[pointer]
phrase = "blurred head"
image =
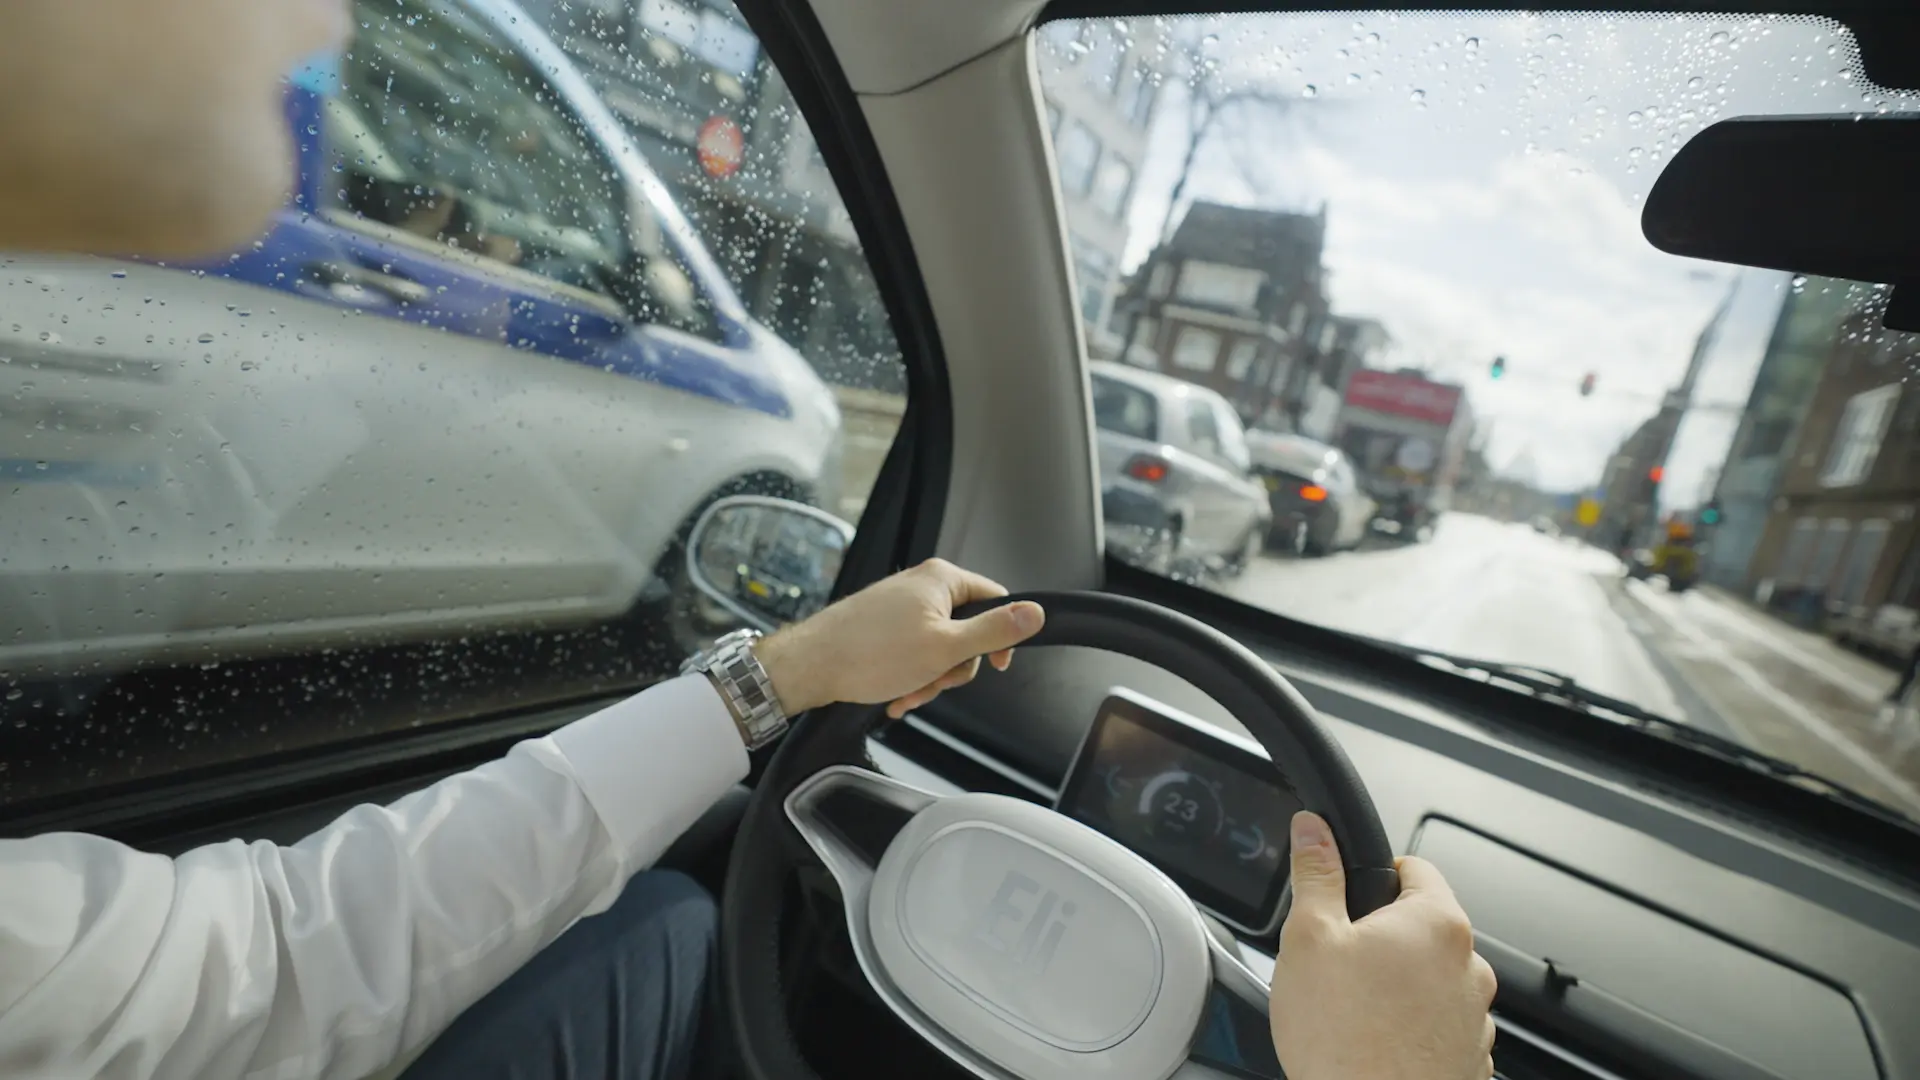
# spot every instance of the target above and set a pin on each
(149, 127)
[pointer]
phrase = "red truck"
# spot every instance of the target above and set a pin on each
(1407, 435)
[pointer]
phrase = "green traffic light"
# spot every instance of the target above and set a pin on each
(1710, 516)
(1499, 368)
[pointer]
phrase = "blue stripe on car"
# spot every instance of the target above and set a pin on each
(466, 299)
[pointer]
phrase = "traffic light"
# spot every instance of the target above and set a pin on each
(1586, 385)
(1710, 514)
(1499, 367)
(1654, 474)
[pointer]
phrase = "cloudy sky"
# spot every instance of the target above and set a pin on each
(1484, 178)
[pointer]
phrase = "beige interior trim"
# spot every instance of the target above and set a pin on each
(970, 163)
(892, 46)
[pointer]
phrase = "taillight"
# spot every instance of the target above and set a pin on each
(1314, 493)
(1147, 467)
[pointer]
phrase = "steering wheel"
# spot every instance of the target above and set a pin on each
(1023, 944)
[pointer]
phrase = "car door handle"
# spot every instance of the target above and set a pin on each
(338, 274)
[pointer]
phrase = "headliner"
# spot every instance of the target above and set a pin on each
(889, 46)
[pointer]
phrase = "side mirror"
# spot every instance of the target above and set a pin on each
(768, 561)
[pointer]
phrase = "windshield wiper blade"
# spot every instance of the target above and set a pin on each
(1553, 685)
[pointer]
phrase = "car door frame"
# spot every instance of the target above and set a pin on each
(907, 506)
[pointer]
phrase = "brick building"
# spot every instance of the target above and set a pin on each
(1842, 532)
(1236, 301)
(1783, 389)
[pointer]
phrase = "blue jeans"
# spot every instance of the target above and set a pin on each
(622, 995)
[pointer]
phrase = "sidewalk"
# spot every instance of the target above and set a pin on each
(1784, 691)
(1860, 676)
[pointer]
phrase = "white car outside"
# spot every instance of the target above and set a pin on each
(228, 463)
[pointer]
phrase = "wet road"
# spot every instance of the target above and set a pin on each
(1504, 592)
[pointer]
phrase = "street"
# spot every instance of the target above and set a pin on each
(1496, 591)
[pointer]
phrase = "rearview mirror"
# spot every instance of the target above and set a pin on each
(1825, 195)
(768, 561)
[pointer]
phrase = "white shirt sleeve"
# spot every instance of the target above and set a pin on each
(334, 956)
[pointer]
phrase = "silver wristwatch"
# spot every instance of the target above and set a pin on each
(730, 663)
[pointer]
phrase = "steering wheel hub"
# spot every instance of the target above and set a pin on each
(1024, 937)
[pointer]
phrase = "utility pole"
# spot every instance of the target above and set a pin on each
(1674, 408)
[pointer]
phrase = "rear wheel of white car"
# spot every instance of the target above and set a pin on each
(1249, 550)
(1289, 536)
(1162, 554)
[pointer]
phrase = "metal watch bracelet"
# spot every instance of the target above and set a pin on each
(735, 671)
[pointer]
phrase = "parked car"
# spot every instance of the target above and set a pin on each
(1175, 474)
(1890, 631)
(480, 373)
(1318, 502)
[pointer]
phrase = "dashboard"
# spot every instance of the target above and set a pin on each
(1641, 929)
(1206, 808)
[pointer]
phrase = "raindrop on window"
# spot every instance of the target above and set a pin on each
(1310, 91)
(1418, 97)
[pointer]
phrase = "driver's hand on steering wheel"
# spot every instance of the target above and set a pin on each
(1398, 995)
(896, 641)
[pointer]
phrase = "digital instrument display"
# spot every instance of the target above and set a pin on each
(1207, 810)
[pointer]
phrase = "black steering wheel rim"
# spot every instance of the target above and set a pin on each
(767, 848)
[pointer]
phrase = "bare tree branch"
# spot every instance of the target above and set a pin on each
(1209, 100)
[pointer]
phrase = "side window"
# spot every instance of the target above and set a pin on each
(448, 134)
(1125, 410)
(1203, 428)
(1112, 185)
(1233, 438)
(1078, 151)
(1196, 349)
(325, 514)
(1856, 440)
(1791, 569)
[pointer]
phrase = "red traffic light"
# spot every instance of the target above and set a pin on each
(1654, 474)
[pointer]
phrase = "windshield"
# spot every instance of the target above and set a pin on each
(1415, 237)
